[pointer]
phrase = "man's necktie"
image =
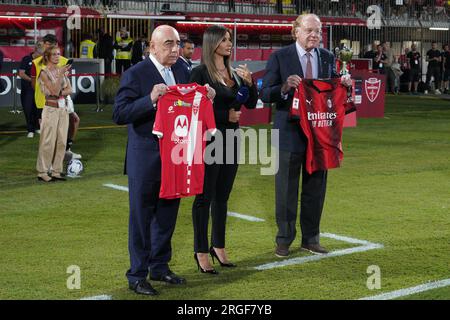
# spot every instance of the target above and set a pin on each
(309, 73)
(167, 78)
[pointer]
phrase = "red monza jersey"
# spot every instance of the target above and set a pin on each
(183, 116)
(321, 106)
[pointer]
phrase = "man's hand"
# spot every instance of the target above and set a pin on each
(211, 93)
(292, 81)
(233, 116)
(158, 90)
(346, 80)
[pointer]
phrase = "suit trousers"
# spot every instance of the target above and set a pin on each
(52, 143)
(286, 199)
(151, 226)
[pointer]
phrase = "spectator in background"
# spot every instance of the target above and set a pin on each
(55, 87)
(388, 62)
(26, 90)
(87, 47)
(446, 64)
(434, 67)
(186, 52)
(413, 60)
(104, 49)
(146, 53)
(404, 67)
(372, 53)
(378, 64)
(123, 45)
(137, 52)
(74, 120)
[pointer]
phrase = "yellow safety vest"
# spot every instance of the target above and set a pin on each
(87, 49)
(123, 55)
(39, 97)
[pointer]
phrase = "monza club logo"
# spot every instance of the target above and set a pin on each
(181, 126)
(373, 86)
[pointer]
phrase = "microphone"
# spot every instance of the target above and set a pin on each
(242, 95)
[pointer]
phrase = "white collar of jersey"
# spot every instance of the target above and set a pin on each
(158, 65)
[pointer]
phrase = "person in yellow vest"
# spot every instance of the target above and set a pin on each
(123, 46)
(39, 97)
(87, 47)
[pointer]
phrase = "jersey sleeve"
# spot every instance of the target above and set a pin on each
(158, 126)
(294, 110)
(209, 116)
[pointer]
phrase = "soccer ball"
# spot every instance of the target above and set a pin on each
(74, 168)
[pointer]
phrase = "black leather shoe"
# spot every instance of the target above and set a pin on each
(314, 248)
(143, 287)
(169, 277)
(282, 251)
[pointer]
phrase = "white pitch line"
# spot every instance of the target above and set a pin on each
(366, 246)
(410, 291)
(102, 297)
(232, 214)
(345, 239)
(301, 260)
(115, 186)
(244, 216)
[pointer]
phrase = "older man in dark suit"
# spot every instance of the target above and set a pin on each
(284, 70)
(152, 220)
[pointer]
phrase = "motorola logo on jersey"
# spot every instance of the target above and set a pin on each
(181, 126)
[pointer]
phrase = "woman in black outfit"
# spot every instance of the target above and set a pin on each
(216, 71)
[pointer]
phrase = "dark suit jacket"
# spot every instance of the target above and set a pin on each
(281, 65)
(133, 107)
(187, 68)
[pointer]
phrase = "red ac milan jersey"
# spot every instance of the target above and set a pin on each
(183, 116)
(321, 106)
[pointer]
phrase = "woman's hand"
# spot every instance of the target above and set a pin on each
(233, 116)
(64, 70)
(211, 93)
(245, 74)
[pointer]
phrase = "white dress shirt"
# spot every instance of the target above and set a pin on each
(160, 68)
(304, 60)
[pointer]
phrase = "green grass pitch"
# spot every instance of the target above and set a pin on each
(393, 189)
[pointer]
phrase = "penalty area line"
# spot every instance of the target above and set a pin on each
(365, 246)
(231, 214)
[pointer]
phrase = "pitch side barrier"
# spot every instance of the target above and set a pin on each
(87, 76)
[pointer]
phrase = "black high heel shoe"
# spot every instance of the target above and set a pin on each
(212, 271)
(213, 254)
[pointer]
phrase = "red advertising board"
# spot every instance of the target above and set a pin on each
(17, 36)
